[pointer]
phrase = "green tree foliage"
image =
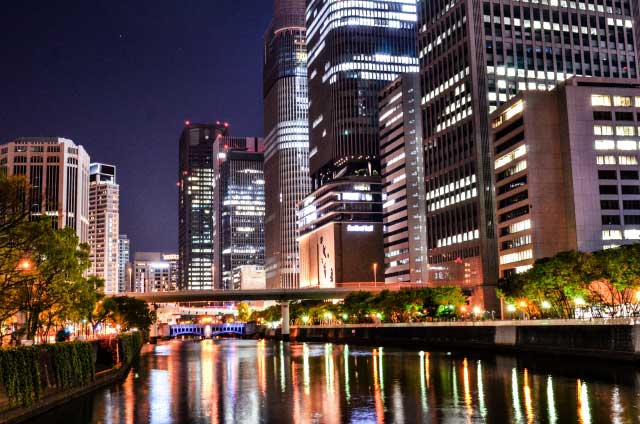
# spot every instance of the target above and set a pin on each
(606, 280)
(127, 312)
(243, 312)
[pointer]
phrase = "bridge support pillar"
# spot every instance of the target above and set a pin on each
(284, 306)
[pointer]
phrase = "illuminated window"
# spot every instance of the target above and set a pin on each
(632, 234)
(606, 160)
(627, 160)
(637, 101)
(511, 156)
(602, 130)
(600, 100)
(516, 257)
(611, 235)
(605, 144)
(624, 101)
(627, 145)
(625, 130)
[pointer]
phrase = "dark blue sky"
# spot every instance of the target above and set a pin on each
(121, 77)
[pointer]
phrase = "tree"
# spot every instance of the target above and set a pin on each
(244, 313)
(126, 312)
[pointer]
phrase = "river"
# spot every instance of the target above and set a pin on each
(249, 381)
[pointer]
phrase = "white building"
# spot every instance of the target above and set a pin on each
(57, 171)
(124, 256)
(155, 272)
(250, 277)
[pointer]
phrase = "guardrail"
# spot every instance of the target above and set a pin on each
(495, 323)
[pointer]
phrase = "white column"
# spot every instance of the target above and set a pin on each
(285, 320)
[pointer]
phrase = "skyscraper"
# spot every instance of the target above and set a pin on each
(240, 232)
(286, 124)
(402, 161)
(476, 55)
(124, 256)
(104, 225)
(57, 171)
(155, 272)
(196, 209)
(355, 50)
(212, 196)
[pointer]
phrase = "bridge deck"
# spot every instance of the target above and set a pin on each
(267, 294)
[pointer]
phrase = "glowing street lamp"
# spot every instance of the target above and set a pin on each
(545, 304)
(579, 301)
(477, 310)
(305, 319)
(25, 265)
(511, 308)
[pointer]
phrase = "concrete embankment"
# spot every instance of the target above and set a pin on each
(611, 339)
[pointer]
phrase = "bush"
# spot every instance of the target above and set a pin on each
(131, 344)
(20, 369)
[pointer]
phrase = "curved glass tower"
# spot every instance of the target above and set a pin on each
(287, 142)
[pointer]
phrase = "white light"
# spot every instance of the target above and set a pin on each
(359, 228)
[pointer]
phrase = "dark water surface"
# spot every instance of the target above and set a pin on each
(247, 381)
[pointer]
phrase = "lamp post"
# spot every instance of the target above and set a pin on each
(375, 273)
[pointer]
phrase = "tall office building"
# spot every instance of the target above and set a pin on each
(242, 208)
(57, 171)
(566, 170)
(402, 160)
(104, 225)
(474, 56)
(196, 208)
(355, 50)
(124, 256)
(286, 124)
(155, 272)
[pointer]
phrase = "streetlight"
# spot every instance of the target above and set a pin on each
(579, 301)
(305, 319)
(25, 265)
(545, 304)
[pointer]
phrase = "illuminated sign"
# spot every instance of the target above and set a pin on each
(360, 228)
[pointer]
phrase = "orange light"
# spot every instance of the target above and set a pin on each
(187, 123)
(25, 264)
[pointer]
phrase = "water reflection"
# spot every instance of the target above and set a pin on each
(229, 381)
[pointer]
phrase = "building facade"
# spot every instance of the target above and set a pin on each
(402, 161)
(155, 272)
(355, 50)
(196, 208)
(341, 233)
(242, 211)
(104, 225)
(124, 257)
(286, 124)
(57, 171)
(572, 183)
(475, 56)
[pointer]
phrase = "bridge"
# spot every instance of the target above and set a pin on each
(209, 330)
(280, 295)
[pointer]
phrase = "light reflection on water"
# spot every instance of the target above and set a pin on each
(245, 381)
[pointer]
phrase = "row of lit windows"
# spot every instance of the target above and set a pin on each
(620, 130)
(619, 145)
(629, 234)
(516, 257)
(619, 160)
(620, 101)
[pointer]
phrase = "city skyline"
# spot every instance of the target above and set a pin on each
(82, 51)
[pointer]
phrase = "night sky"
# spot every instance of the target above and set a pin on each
(121, 77)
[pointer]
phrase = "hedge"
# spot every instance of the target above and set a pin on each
(131, 344)
(20, 369)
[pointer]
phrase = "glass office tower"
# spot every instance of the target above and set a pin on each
(286, 124)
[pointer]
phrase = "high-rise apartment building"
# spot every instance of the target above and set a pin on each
(355, 50)
(124, 257)
(402, 161)
(242, 208)
(196, 209)
(566, 170)
(286, 123)
(155, 272)
(57, 171)
(475, 56)
(104, 225)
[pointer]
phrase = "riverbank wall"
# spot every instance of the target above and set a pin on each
(608, 339)
(112, 360)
